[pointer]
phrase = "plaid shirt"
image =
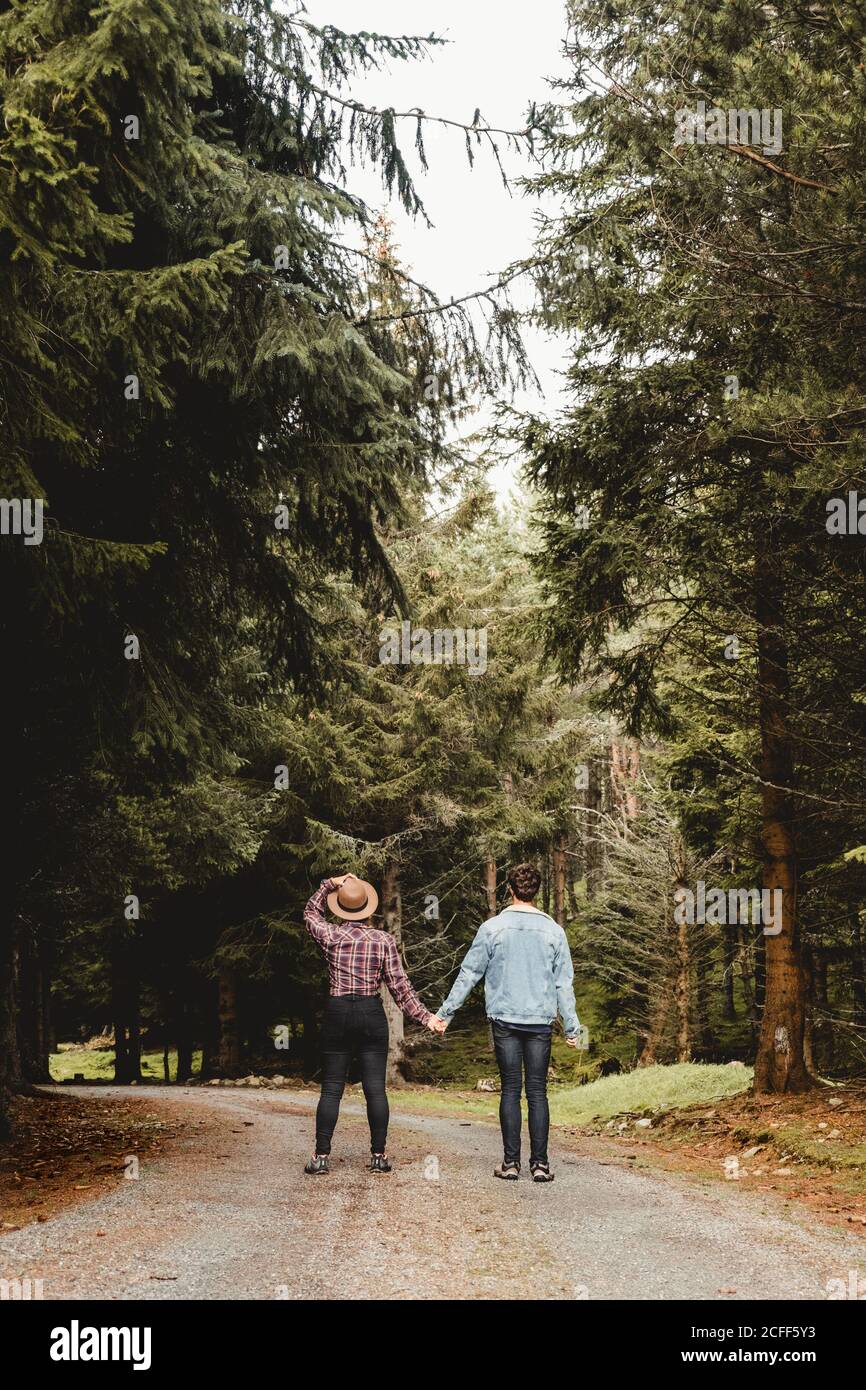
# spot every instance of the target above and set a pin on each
(360, 957)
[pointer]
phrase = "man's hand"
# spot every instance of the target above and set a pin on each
(437, 1024)
(573, 1042)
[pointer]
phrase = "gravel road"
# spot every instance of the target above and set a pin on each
(225, 1212)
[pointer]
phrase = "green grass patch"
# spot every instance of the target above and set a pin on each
(838, 1155)
(99, 1066)
(648, 1090)
(645, 1091)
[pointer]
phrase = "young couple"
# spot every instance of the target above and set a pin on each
(523, 957)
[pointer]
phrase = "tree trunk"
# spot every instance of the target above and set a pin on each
(30, 999)
(858, 977)
(124, 1008)
(10, 1069)
(624, 771)
(183, 1031)
(593, 857)
(571, 895)
(729, 956)
(658, 1024)
(229, 1057)
(559, 881)
(702, 1024)
(750, 985)
(682, 989)
(822, 1023)
(779, 1064)
(490, 885)
(210, 1030)
(392, 921)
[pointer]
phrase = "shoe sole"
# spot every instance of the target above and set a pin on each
(549, 1177)
(507, 1177)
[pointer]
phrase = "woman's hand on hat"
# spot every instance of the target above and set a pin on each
(339, 879)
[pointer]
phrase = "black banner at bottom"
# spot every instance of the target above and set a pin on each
(172, 1337)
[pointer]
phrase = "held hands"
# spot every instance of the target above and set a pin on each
(573, 1042)
(437, 1024)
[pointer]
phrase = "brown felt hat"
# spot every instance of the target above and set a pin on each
(354, 899)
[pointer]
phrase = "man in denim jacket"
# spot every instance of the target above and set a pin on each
(523, 957)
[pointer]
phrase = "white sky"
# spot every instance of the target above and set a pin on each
(498, 58)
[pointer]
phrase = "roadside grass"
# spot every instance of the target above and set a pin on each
(98, 1065)
(649, 1090)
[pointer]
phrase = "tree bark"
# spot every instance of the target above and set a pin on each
(779, 1065)
(593, 852)
(750, 985)
(30, 999)
(124, 1008)
(682, 988)
(822, 1024)
(229, 1057)
(624, 771)
(858, 977)
(184, 1042)
(392, 921)
(702, 1027)
(490, 885)
(658, 1024)
(729, 956)
(559, 881)
(209, 1009)
(10, 1067)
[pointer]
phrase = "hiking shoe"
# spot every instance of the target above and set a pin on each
(509, 1171)
(379, 1164)
(318, 1164)
(541, 1172)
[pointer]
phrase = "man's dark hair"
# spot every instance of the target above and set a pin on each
(525, 880)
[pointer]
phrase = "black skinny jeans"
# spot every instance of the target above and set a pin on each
(355, 1025)
(516, 1052)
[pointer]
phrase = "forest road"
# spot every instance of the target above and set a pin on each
(226, 1212)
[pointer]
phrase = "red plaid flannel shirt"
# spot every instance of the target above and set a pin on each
(360, 957)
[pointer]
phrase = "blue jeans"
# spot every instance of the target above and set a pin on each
(516, 1052)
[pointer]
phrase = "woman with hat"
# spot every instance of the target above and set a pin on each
(359, 958)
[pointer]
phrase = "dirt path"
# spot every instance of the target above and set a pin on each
(227, 1213)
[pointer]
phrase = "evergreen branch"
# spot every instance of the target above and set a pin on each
(439, 308)
(776, 168)
(416, 114)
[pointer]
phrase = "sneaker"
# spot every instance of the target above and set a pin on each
(379, 1164)
(541, 1172)
(318, 1164)
(509, 1171)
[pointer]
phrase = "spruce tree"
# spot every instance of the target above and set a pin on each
(712, 285)
(214, 425)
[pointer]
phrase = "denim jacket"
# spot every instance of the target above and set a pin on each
(524, 960)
